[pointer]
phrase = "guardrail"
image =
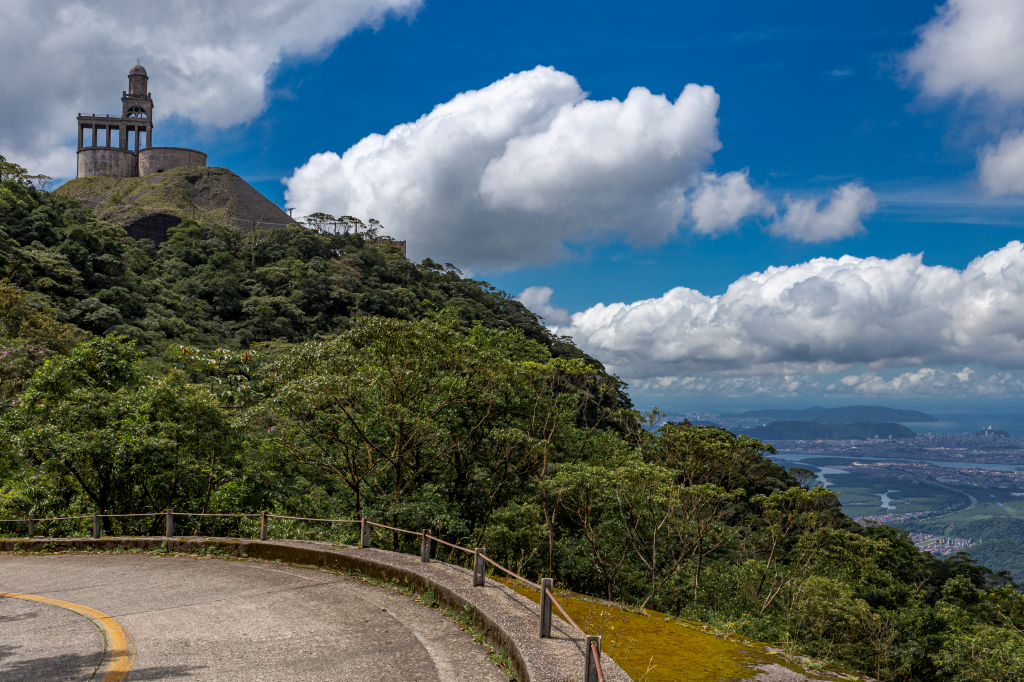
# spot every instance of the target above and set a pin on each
(593, 671)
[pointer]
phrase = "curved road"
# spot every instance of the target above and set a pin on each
(211, 619)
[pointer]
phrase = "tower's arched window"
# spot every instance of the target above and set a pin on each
(136, 112)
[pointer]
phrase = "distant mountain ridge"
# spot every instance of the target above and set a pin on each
(802, 430)
(841, 415)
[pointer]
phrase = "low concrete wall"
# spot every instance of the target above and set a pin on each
(510, 620)
(158, 159)
(107, 161)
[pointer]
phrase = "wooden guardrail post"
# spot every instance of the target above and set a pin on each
(96, 524)
(590, 672)
(169, 525)
(479, 567)
(263, 525)
(31, 525)
(425, 547)
(545, 607)
(364, 534)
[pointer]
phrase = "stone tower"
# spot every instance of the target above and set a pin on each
(129, 158)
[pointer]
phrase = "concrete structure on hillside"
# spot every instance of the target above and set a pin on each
(129, 158)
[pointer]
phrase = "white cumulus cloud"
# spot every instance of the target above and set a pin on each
(973, 50)
(925, 382)
(821, 317)
(538, 300)
(971, 47)
(1001, 167)
(721, 202)
(506, 175)
(841, 216)
(209, 62)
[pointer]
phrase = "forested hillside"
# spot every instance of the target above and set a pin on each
(217, 286)
(317, 373)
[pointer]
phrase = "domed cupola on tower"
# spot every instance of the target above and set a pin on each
(138, 81)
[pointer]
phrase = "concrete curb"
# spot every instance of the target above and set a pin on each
(510, 621)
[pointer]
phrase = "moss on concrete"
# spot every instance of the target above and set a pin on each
(654, 647)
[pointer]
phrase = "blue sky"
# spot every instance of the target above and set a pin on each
(798, 127)
(813, 97)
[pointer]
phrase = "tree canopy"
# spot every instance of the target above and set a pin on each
(314, 371)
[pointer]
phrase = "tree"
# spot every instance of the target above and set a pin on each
(387, 403)
(795, 525)
(635, 510)
(29, 334)
(981, 653)
(117, 441)
(12, 171)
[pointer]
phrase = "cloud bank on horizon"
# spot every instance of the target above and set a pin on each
(801, 329)
(972, 51)
(215, 61)
(508, 175)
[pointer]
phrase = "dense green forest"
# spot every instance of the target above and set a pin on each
(314, 371)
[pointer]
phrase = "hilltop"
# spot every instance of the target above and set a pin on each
(209, 283)
(147, 206)
(842, 415)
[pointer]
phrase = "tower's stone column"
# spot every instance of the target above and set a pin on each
(108, 135)
(95, 133)
(149, 136)
(81, 135)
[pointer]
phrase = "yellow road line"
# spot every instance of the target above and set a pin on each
(122, 645)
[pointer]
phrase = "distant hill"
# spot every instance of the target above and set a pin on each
(802, 430)
(843, 415)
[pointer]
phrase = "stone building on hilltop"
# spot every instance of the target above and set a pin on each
(148, 190)
(129, 158)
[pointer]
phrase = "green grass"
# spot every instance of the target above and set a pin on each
(655, 647)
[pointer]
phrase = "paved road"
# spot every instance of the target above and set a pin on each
(211, 619)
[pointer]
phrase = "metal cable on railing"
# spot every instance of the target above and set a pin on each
(494, 563)
(400, 530)
(244, 516)
(592, 650)
(449, 544)
(593, 643)
(55, 518)
(303, 518)
(118, 516)
(595, 652)
(568, 618)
